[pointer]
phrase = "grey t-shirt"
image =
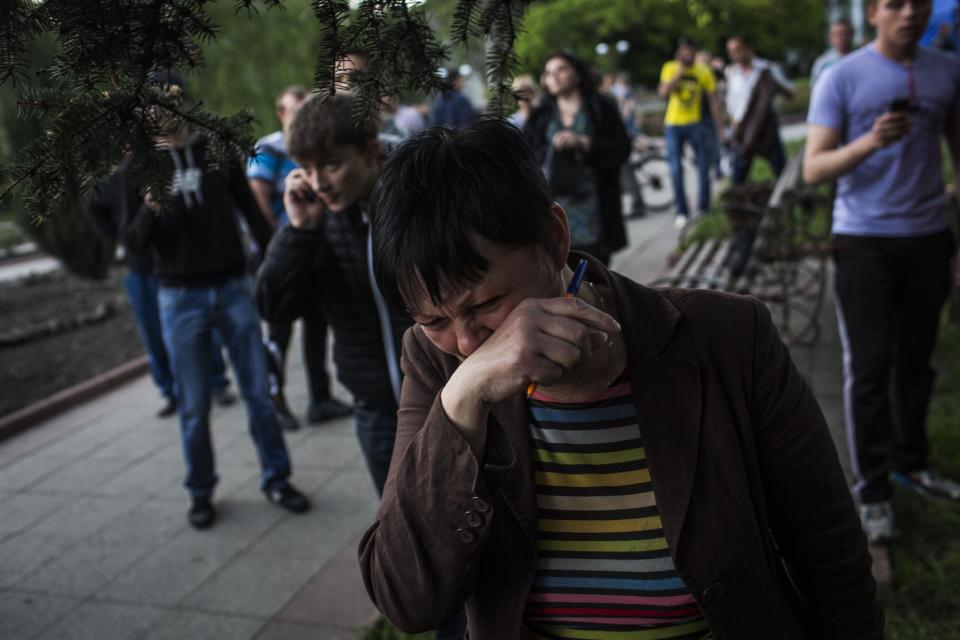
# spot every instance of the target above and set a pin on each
(897, 191)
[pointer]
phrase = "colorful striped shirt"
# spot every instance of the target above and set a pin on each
(604, 570)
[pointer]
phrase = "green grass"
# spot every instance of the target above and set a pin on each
(924, 603)
(383, 630)
(761, 171)
(800, 102)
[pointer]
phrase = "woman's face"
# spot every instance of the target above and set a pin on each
(559, 76)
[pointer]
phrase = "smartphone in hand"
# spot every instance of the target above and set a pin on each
(900, 105)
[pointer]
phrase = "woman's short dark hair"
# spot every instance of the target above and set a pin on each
(441, 189)
(588, 82)
(325, 122)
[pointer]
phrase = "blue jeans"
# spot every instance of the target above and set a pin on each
(376, 430)
(189, 316)
(711, 144)
(676, 137)
(142, 293)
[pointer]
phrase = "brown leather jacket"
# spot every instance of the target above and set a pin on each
(750, 489)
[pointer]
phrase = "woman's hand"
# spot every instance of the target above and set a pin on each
(568, 140)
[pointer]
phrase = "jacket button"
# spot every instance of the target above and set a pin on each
(713, 594)
(480, 505)
(474, 520)
(466, 536)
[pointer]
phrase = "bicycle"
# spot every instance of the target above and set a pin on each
(649, 172)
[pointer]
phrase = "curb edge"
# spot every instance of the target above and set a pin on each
(59, 402)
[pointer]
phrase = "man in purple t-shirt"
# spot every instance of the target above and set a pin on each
(876, 122)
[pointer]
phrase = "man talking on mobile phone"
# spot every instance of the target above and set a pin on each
(876, 121)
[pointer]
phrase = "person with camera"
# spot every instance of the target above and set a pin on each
(877, 119)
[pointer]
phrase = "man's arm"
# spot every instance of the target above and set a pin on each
(709, 83)
(667, 85)
(732, 88)
(717, 112)
(259, 223)
(294, 260)
(102, 206)
(286, 277)
(262, 192)
(824, 161)
(140, 225)
(784, 86)
(953, 144)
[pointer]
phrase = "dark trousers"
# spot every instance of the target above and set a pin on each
(376, 431)
(890, 291)
(775, 155)
(314, 349)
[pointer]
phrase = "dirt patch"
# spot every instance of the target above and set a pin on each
(42, 366)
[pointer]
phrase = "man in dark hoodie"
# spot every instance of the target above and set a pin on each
(201, 268)
(105, 208)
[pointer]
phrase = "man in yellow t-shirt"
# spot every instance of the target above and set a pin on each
(683, 83)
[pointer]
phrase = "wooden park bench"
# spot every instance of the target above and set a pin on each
(775, 252)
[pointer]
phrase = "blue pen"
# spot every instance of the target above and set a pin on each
(571, 292)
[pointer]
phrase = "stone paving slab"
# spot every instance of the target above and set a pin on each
(23, 615)
(313, 604)
(101, 620)
(178, 625)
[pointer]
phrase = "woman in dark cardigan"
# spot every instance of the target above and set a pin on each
(579, 139)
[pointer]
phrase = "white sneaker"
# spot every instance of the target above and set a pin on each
(929, 483)
(680, 221)
(878, 522)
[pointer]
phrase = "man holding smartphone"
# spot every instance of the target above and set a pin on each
(876, 122)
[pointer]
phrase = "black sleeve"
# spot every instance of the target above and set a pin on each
(535, 132)
(243, 198)
(610, 144)
(103, 207)
(295, 258)
(139, 227)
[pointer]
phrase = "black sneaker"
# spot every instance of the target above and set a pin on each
(168, 409)
(288, 498)
(201, 514)
(327, 409)
(224, 397)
